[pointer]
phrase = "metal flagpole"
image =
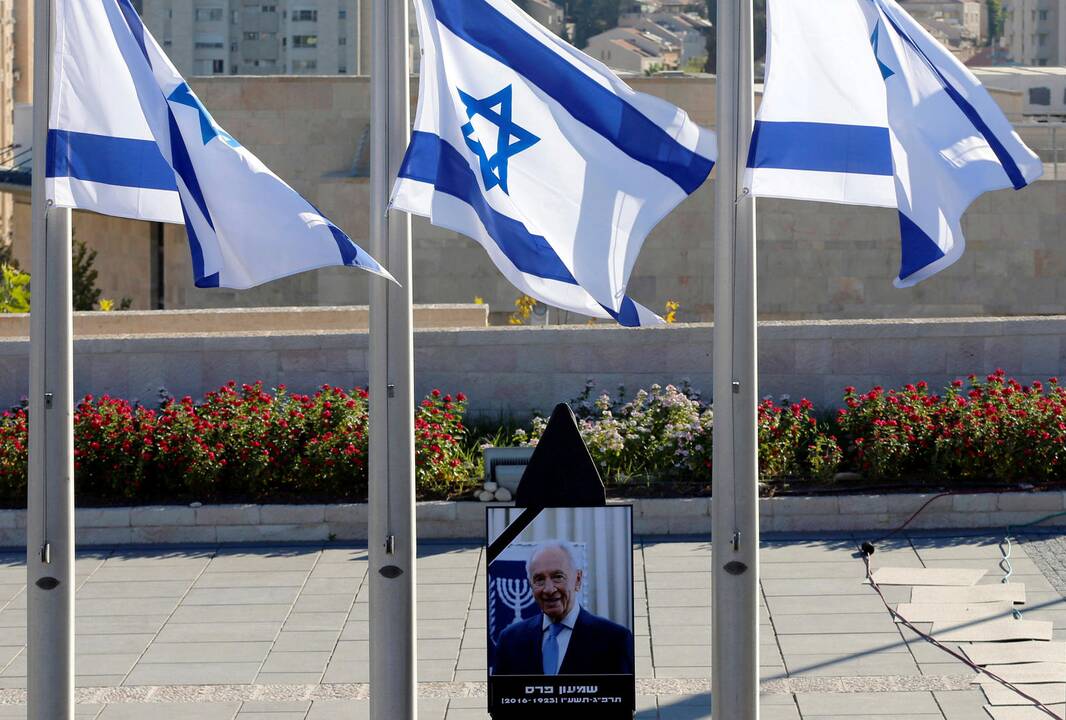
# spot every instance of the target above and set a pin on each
(393, 689)
(50, 514)
(735, 505)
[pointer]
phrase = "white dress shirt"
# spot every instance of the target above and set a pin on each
(563, 638)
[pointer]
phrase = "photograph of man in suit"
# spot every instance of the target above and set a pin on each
(564, 638)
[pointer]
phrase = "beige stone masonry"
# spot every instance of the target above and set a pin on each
(513, 371)
(236, 320)
(466, 520)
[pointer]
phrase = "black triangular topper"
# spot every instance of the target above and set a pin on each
(561, 472)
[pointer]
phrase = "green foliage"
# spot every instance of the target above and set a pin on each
(15, 284)
(997, 431)
(695, 65)
(665, 434)
(14, 457)
(14, 290)
(7, 255)
(591, 17)
(791, 443)
(996, 18)
(759, 30)
(84, 275)
(240, 443)
(662, 433)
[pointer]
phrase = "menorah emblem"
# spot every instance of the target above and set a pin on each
(515, 593)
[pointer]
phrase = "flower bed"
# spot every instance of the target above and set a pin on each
(238, 443)
(990, 431)
(243, 443)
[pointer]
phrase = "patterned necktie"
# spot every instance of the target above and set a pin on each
(551, 649)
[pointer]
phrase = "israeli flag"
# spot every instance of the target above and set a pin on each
(863, 106)
(543, 156)
(128, 137)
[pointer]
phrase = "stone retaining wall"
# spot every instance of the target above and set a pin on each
(227, 321)
(514, 371)
(211, 524)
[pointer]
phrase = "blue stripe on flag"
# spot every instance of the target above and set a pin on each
(1005, 159)
(348, 250)
(351, 254)
(917, 249)
(484, 27)
(823, 147)
(627, 314)
(109, 160)
(197, 252)
(431, 160)
(136, 26)
(185, 169)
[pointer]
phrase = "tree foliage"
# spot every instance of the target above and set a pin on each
(14, 290)
(591, 17)
(84, 275)
(996, 19)
(759, 38)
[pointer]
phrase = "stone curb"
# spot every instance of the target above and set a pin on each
(454, 520)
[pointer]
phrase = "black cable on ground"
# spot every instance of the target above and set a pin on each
(936, 643)
(868, 548)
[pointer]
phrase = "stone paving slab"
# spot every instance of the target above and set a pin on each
(257, 633)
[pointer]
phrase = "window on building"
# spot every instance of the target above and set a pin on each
(305, 41)
(269, 8)
(342, 41)
(218, 67)
(342, 14)
(1040, 95)
(1043, 14)
(233, 69)
(233, 46)
(304, 65)
(251, 36)
(342, 70)
(1041, 62)
(210, 14)
(305, 15)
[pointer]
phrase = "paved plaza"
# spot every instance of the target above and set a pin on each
(280, 633)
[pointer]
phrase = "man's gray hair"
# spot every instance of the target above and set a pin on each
(563, 545)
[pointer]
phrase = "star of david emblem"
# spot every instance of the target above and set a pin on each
(510, 140)
(875, 40)
(209, 129)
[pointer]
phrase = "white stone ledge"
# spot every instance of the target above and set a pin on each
(454, 520)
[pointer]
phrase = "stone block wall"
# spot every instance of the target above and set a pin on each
(515, 371)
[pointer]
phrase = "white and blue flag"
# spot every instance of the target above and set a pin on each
(543, 156)
(128, 137)
(863, 106)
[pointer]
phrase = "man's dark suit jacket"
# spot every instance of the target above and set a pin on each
(597, 647)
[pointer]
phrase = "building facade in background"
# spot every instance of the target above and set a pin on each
(547, 13)
(262, 37)
(641, 48)
(1034, 32)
